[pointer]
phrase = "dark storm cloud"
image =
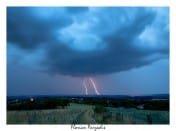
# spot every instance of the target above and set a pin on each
(82, 41)
(27, 28)
(77, 9)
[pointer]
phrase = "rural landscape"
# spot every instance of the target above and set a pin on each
(88, 110)
(88, 65)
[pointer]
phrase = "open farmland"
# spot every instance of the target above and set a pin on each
(88, 114)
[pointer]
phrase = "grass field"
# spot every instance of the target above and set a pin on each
(85, 114)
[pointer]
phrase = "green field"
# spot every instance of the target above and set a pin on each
(87, 114)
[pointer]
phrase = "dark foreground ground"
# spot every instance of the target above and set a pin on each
(88, 110)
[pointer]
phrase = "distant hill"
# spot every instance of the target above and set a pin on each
(153, 96)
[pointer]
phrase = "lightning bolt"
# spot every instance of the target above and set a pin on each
(84, 84)
(94, 86)
(89, 82)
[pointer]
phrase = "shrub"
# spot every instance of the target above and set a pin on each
(100, 109)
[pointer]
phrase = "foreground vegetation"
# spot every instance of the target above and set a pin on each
(88, 114)
(62, 102)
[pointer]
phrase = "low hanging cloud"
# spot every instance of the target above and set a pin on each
(89, 41)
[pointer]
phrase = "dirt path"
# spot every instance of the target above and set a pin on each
(85, 118)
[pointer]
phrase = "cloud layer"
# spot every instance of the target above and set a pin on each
(87, 41)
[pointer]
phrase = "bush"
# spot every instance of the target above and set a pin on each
(100, 109)
(157, 105)
(43, 103)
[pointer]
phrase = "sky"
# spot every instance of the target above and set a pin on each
(78, 50)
